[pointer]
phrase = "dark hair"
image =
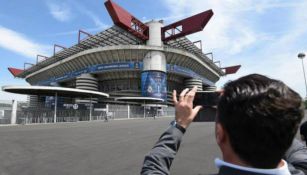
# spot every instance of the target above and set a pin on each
(261, 117)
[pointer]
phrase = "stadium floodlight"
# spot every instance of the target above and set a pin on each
(302, 56)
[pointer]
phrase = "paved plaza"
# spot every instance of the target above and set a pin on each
(114, 147)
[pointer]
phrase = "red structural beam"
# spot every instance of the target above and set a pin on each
(231, 69)
(15, 71)
(186, 26)
(125, 20)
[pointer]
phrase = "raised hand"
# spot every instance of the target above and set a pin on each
(184, 111)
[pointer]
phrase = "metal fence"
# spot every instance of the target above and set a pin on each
(69, 113)
(134, 111)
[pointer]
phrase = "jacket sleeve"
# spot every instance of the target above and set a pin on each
(296, 157)
(160, 158)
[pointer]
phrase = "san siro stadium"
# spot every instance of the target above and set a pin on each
(126, 71)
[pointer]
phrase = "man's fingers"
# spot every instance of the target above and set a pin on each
(175, 97)
(190, 95)
(182, 94)
(196, 109)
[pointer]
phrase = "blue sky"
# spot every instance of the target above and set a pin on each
(264, 36)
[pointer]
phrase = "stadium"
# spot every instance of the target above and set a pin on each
(126, 71)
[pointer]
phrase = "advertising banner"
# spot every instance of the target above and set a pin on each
(154, 84)
(123, 66)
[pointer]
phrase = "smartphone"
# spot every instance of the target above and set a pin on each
(208, 100)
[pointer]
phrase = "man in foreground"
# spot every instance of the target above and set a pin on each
(257, 119)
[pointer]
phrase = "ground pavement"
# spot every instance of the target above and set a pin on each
(92, 148)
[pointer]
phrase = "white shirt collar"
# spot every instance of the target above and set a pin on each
(277, 171)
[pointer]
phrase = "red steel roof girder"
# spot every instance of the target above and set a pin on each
(187, 26)
(127, 21)
(14, 71)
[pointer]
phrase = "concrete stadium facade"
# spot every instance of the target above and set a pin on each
(128, 63)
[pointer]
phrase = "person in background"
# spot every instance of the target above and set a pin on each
(257, 119)
(303, 132)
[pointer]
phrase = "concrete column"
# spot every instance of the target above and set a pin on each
(14, 112)
(128, 111)
(191, 82)
(154, 60)
(87, 82)
(210, 88)
(55, 106)
(153, 75)
(154, 33)
(107, 109)
(32, 101)
(91, 108)
(144, 110)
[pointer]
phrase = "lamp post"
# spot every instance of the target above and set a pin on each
(302, 56)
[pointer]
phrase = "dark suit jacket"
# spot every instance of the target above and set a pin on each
(160, 158)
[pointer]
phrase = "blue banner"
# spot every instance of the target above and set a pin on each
(94, 69)
(154, 84)
(123, 66)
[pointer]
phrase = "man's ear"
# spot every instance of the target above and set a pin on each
(220, 134)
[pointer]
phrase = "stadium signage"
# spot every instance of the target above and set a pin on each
(154, 84)
(122, 66)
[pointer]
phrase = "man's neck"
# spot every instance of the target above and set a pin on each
(234, 159)
(231, 157)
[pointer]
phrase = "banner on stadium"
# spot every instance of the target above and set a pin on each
(122, 66)
(154, 84)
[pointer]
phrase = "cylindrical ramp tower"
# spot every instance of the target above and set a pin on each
(210, 88)
(32, 101)
(191, 82)
(87, 82)
(153, 76)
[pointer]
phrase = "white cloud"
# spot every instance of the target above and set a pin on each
(8, 97)
(20, 44)
(225, 30)
(99, 25)
(236, 36)
(75, 32)
(96, 20)
(60, 11)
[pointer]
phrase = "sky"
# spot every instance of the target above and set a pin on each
(264, 36)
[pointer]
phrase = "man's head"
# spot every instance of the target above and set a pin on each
(259, 117)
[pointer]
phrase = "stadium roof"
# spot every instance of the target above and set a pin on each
(112, 37)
